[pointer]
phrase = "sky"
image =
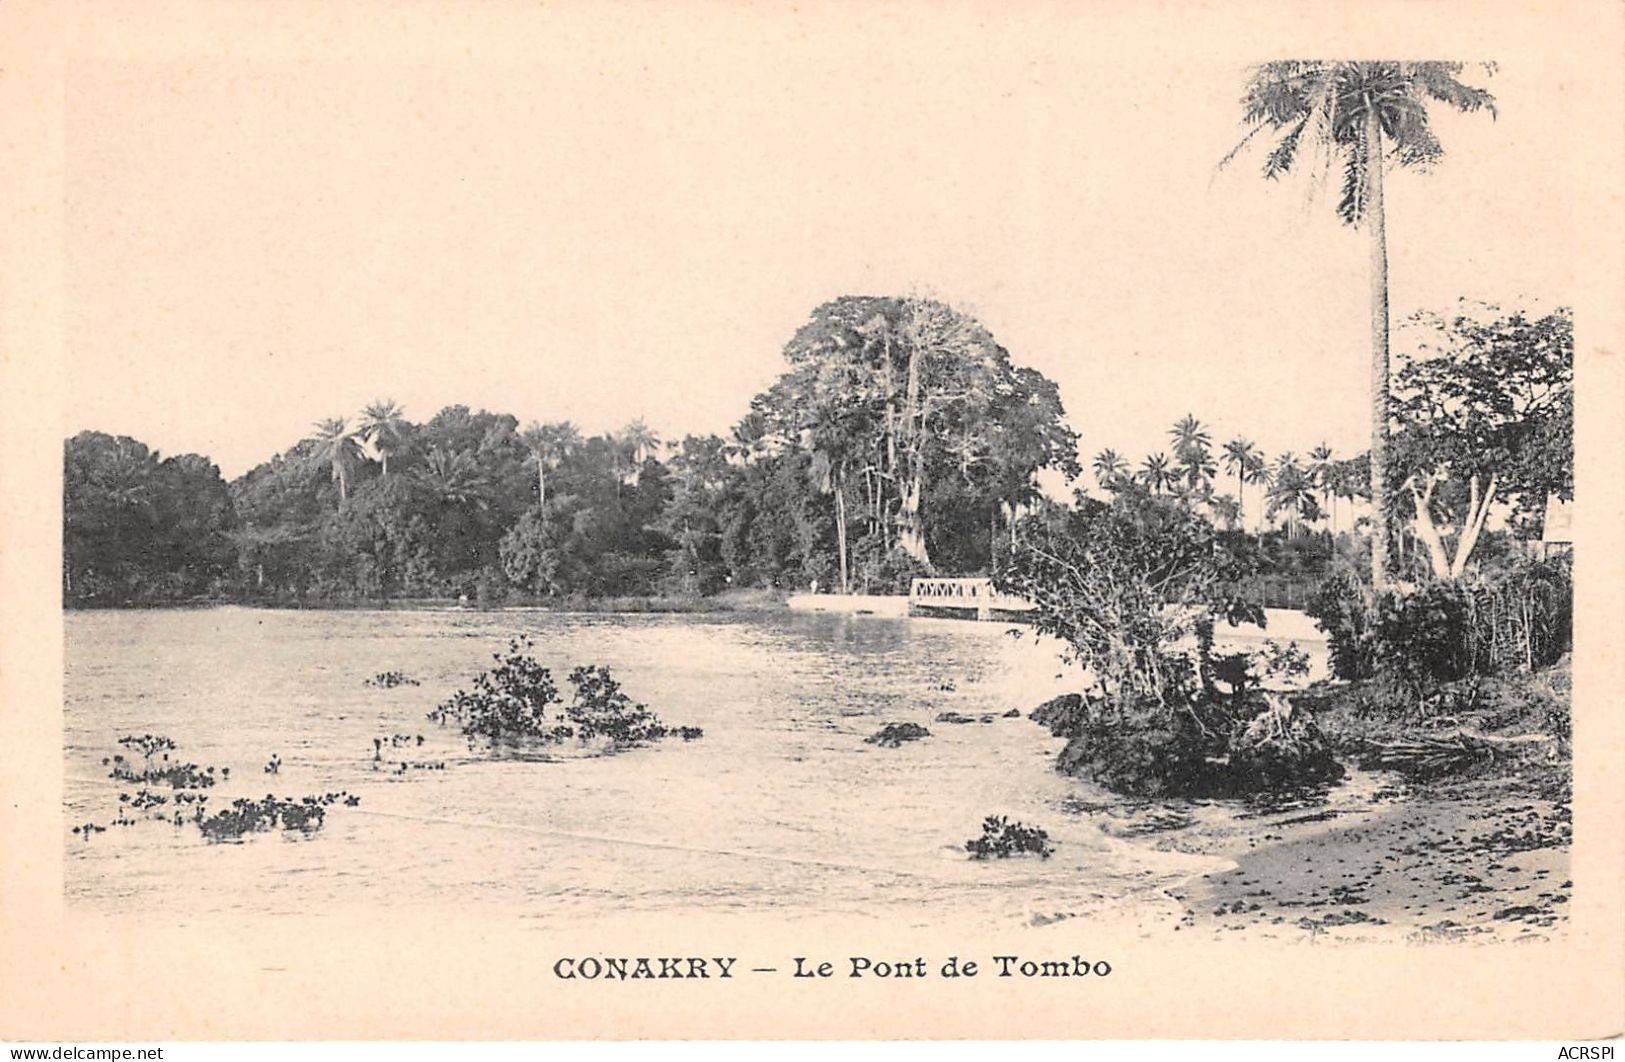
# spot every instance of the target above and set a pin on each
(617, 227)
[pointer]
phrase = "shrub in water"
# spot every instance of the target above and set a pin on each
(509, 702)
(1002, 839)
(600, 709)
(517, 702)
(147, 744)
(306, 815)
(174, 775)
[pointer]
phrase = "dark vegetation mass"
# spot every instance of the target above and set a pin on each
(901, 439)
(1138, 585)
(515, 704)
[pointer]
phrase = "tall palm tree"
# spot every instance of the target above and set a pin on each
(1192, 449)
(748, 439)
(639, 440)
(548, 445)
(1156, 473)
(1199, 470)
(1259, 474)
(1364, 116)
(1240, 455)
(1110, 469)
(452, 476)
(1291, 491)
(1321, 467)
(336, 447)
(1189, 433)
(383, 426)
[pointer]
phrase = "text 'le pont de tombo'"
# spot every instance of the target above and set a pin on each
(662, 968)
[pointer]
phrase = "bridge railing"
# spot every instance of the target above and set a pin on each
(973, 593)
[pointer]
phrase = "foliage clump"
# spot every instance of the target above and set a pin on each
(305, 815)
(1060, 714)
(602, 709)
(509, 702)
(147, 744)
(1122, 584)
(1134, 589)
(160, 772)
(1516, 619)
(518, 703)
(1002, 839)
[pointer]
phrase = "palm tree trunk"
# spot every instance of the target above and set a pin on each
(541, 486)
(840, 526)
(992, 534)
(1379, 355)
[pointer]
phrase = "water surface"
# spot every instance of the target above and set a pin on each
(781, 809)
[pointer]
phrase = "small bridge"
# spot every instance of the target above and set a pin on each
(962, 597)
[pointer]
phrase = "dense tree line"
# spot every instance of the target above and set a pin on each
(901, 439)
(1481, 422)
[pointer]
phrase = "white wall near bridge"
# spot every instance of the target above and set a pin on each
(1281, 624)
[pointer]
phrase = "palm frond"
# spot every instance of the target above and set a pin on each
(1285, 152)
(1440, 81)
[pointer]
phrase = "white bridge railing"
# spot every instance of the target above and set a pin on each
(971, 595)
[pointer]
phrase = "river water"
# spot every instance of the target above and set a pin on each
(781, 809)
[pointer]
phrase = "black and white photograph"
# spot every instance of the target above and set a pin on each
(860, 472)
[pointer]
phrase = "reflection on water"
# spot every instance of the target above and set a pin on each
(780, 809)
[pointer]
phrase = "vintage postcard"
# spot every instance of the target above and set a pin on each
(840, 520)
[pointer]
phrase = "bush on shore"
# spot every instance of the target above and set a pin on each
(1158, 718)
(1204, 751)
(1515, 619)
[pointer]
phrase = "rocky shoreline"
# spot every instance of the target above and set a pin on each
(1484, 859)
(1468, 843)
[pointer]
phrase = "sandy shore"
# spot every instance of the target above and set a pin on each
(1473, 859)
